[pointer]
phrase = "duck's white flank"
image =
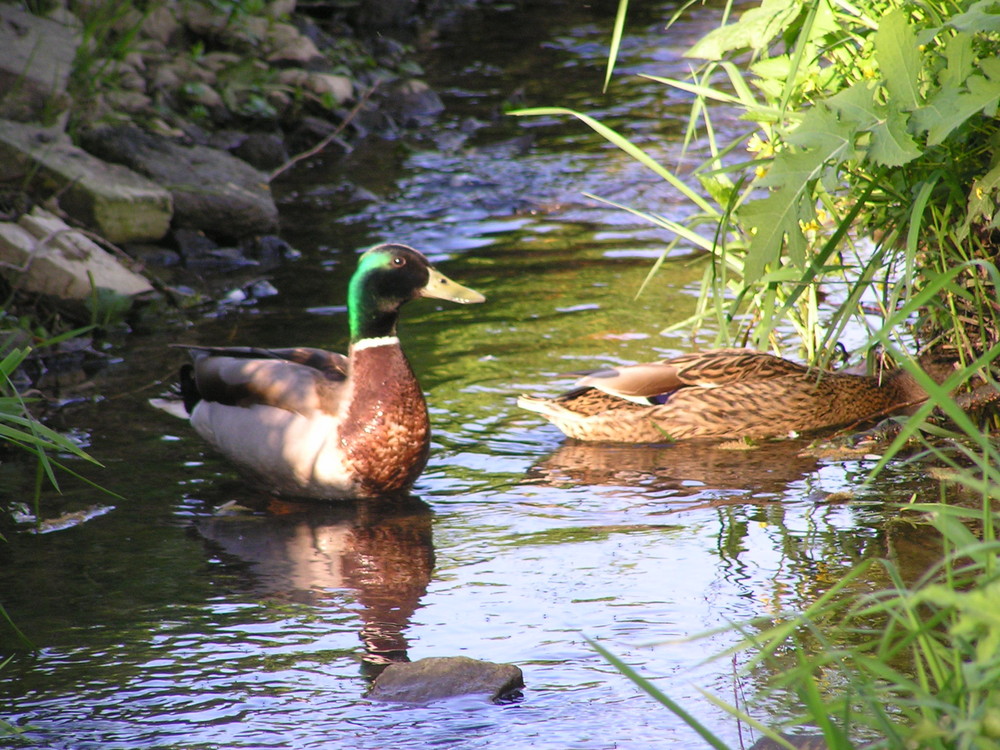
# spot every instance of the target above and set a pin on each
(290, 451)
(374, 342)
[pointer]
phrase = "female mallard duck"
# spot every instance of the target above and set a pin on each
(725, 394)
(314, 423)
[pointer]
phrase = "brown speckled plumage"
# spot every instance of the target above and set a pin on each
(386, 434)
(725, 394)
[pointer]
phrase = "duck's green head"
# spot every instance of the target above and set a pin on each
(389, 276)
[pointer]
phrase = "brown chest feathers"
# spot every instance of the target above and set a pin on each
(385, 435)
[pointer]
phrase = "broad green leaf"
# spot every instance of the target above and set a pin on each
(772, 68)
(891, 144)
(857, 105)
(825, 137)
(949, 108)
(960, 59)
(775, 221)
(755, 30)
(899, 59)
(983, 16)
(820, 140)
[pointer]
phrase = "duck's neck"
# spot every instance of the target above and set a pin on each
(369, 316)
(907, 388)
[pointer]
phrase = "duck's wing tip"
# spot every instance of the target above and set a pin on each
(172, 406)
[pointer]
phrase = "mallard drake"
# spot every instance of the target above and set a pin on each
(725, 394)
(313, 423)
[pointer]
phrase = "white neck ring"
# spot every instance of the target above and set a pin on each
(374, 342)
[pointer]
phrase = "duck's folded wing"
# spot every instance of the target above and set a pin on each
(331, 364)
(635, 381)
(282, 383)
(709, 369)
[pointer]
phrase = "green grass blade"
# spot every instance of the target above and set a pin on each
(624, 144)
(616, 40)
(658, 695)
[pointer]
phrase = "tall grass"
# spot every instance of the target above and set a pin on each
(21, 431)
(871, 121)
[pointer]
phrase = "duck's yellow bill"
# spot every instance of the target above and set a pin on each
(440, 286)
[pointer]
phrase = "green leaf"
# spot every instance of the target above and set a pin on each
(857, 105)
(891, 144)
(775, 220)
(899, 59)
(822, 141)
(960, 61)
(949, 108)
(983, 200)
(755, 30)
(825, 135)
(616, 40)
(983, 16)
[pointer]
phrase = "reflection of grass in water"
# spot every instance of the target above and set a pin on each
(577, 534)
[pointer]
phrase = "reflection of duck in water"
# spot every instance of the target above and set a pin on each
(726, 393)
(314, 423)
(681, 469)
(382, 551)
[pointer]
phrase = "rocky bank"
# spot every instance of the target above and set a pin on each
(140, 134)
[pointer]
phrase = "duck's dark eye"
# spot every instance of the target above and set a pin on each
(398, 261)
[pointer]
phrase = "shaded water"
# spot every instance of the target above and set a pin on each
(164, 621)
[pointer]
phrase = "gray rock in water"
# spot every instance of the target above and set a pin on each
(212, 190)
(437, 678)
(801, 742)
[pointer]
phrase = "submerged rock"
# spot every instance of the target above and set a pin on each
(798, 741)
(437, 678)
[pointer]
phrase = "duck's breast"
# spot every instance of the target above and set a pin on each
(384, 433)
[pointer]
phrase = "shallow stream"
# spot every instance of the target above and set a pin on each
(165, 622)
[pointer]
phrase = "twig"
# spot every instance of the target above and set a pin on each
(326, 141)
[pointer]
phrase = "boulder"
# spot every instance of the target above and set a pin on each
(41, 254)
(265, 151)
(35, 65)
(437, 678)
(339, 88)
(160, 23)
(212, 190)
(288, 45)
(412, 103)
(115, 202)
